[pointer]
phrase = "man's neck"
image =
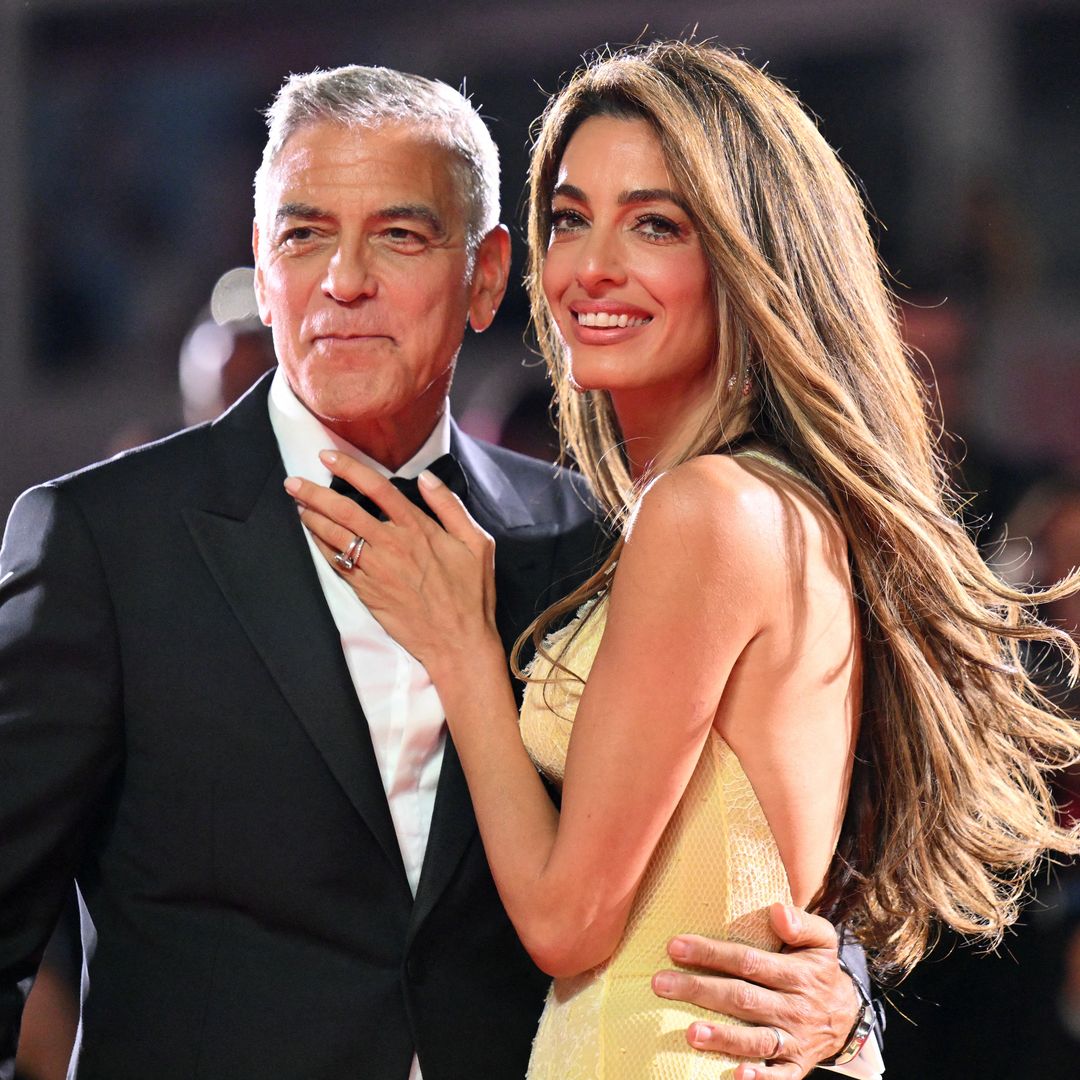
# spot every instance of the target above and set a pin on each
(301, 434)
(389, 445)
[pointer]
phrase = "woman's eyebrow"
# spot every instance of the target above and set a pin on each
(569, 191)
(640, 195)
(636, 195)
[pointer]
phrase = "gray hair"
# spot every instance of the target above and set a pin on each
(357, 96)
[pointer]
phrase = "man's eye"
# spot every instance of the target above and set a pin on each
(405, 239)
(298, 235)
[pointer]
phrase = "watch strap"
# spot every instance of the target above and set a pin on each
(864, 1023)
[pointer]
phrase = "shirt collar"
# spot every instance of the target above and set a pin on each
(301, 435)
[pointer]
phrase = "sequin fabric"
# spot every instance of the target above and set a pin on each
(714, 872)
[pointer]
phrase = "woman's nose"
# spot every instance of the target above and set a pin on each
(602, 260)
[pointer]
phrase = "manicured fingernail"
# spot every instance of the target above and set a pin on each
(429, 480)
(793, 918)
(749, 1074)
(678, 949)
(328, 456)
(292, 485)
(663, 983)
(699, 1034)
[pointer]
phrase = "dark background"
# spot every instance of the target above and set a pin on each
(130, 131)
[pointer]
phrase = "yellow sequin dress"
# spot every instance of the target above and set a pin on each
(714, 872)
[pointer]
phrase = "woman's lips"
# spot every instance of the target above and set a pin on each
(608, 319)
(606, 322)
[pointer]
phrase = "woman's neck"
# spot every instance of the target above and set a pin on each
(651, 427)
(655, 432)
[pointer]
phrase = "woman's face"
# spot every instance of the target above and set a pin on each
(626, 277)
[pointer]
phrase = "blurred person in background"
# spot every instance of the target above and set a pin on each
(222, 355)
(241, 770)
(225, 351)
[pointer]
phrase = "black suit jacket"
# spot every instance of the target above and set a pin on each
(178, 730)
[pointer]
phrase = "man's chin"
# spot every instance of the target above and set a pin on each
(334, 412)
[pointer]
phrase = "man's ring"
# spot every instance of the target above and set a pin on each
(348, 558)
(779, 1048)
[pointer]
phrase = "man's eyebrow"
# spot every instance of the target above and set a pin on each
(305, 211)
(403, 212)
(637, 195)
(412, 212)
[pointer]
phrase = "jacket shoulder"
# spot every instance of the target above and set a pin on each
(158, 469)
(551, 492)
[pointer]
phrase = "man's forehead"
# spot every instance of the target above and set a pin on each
(329, 145)
(347, 170)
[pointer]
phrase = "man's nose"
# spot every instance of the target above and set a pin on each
(602, 260)
(349, 275)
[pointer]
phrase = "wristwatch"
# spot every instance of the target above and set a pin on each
(864, 1024)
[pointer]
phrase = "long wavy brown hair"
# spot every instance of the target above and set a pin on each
(949, 809)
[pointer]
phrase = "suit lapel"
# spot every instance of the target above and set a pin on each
(250, 537)
(522, 571)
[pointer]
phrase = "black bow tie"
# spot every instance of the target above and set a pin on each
(445, 468)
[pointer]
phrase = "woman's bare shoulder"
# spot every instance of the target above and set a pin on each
(708, 517)
(718, 496)
(731, 518)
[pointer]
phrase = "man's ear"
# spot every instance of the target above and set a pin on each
(490, 275)
(260, 283)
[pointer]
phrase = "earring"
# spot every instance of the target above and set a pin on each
(747, 386)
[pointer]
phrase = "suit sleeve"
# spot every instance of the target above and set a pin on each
(60, 734)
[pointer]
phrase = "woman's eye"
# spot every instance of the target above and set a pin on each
(563, 221)
(658, 226)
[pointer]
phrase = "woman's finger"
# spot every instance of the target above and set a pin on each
(451, 512)
(376, 487)
(328, 504)
(330, 537)
(335, 557)
(459, 523)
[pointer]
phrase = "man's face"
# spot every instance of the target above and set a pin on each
(362, 274)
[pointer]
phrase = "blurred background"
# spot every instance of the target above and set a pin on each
(130, 131)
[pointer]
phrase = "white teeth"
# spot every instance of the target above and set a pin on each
(604, 318)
